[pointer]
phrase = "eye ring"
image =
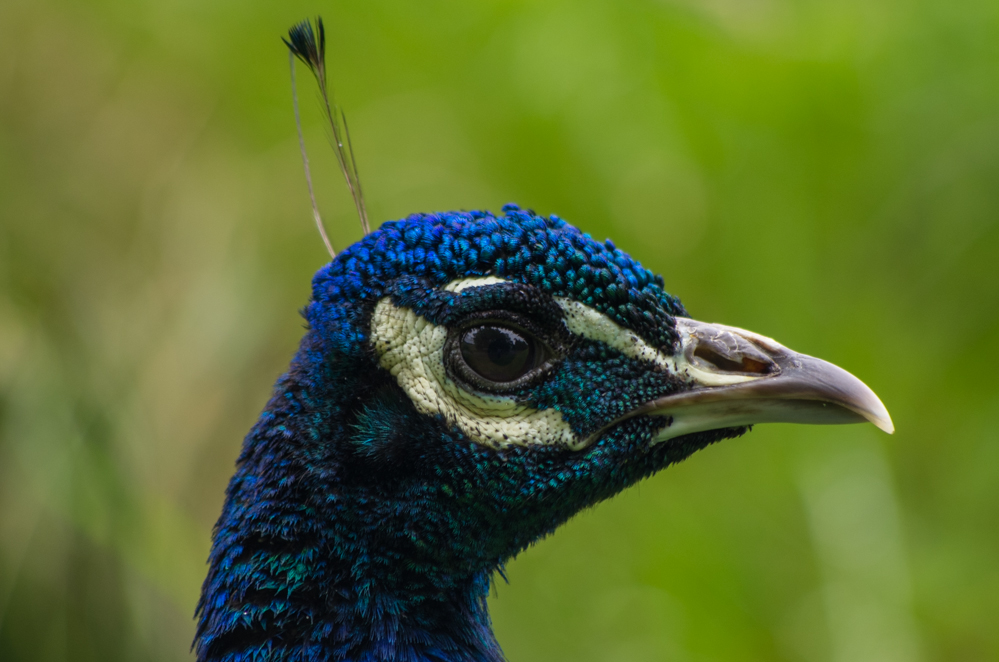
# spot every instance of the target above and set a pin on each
(496, 355)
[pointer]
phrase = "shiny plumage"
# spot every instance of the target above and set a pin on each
(387, 480)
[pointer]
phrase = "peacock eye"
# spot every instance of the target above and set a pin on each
(498, 353)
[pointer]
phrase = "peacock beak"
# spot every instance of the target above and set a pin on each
(741, 378)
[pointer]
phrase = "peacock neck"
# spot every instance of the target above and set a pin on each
(309, 563)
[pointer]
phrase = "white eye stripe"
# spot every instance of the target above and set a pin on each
(588, 323)
(591, 324)
(465, 283)
(411, 348)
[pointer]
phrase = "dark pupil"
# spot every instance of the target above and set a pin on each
(496, 353)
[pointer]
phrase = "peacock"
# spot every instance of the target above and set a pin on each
(467, 382)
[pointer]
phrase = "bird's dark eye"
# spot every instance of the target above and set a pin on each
(498, 353)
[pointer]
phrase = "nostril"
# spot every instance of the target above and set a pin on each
(757, 367)
(737, 363)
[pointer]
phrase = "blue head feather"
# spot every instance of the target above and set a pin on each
(357, 527)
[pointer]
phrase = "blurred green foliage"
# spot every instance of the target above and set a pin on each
(824, 172)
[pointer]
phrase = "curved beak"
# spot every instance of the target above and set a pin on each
(741, 378)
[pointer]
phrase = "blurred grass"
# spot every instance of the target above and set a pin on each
(823, 172)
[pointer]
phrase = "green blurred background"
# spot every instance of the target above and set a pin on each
(823, 172)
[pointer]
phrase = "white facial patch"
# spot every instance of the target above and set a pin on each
(412, 350)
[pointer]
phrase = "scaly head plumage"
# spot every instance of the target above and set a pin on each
(467, 383)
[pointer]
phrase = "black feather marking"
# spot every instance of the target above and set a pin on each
(312, 52)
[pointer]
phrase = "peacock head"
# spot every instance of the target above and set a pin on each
(476, 380)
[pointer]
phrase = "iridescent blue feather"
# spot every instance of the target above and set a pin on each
(358, 528)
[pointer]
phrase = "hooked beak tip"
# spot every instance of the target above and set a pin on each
(880, 417)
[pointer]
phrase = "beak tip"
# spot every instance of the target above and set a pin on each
(879, 416)
(885, 424)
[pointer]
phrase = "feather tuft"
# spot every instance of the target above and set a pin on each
(302, 42)
(308, 44)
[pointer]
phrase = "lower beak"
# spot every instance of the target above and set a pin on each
(740, 378)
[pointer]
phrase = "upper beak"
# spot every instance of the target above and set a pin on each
(740, 378)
